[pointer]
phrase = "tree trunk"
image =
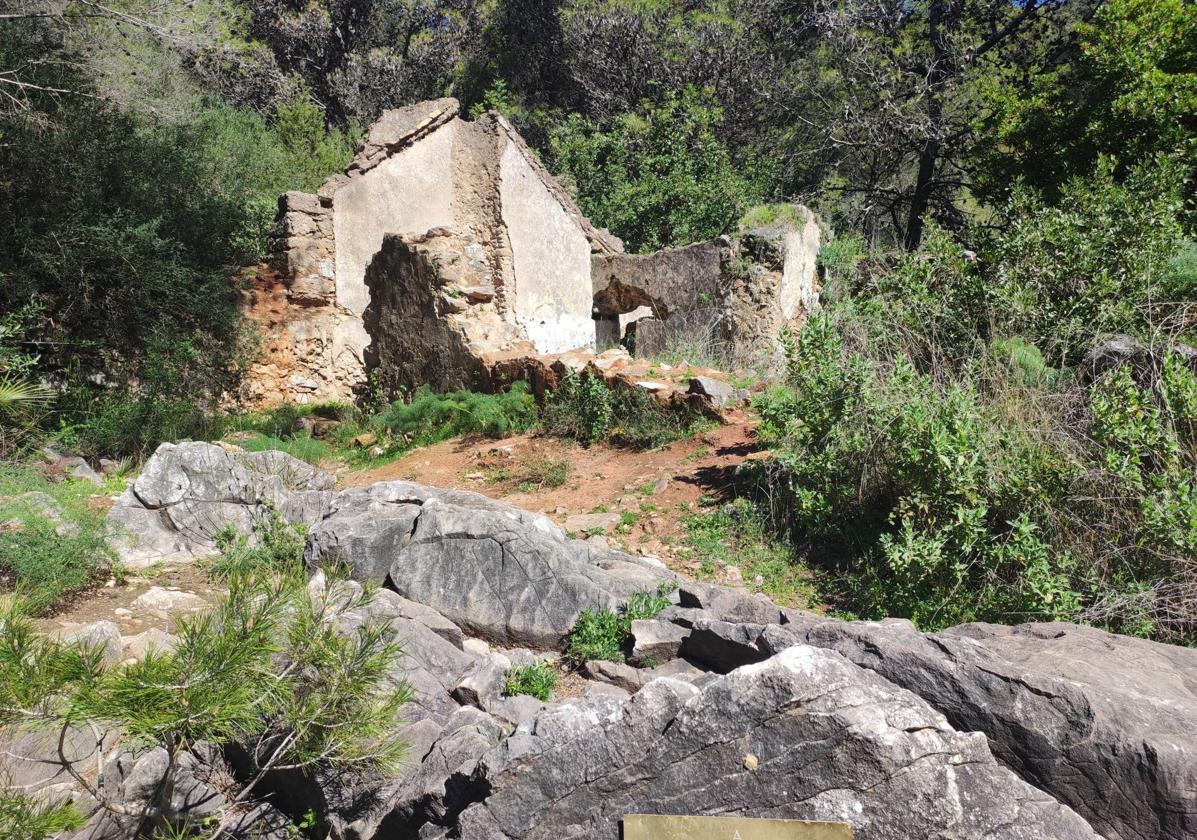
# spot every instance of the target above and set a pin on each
(937, 74)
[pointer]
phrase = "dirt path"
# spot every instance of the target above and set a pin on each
(634, 499)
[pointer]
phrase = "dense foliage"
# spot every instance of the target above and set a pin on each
(960, 441)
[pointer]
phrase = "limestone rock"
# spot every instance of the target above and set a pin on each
(654, 642)
(1102, 722)
(831, 741)
(103, 636)
(366, 542)
(137, 646)
(189, 492)
(717, 391)
(168, 601)
(506, 577)
(581, 523)
(483, 682)
(723, 604)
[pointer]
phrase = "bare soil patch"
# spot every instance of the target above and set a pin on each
(650, 492)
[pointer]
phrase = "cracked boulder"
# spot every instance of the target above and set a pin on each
(491, 569)
(1104, 723)
(189, 492)
(804, 735)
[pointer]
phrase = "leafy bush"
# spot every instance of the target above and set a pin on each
(603, 634)
(970, 492)
(1096, 262)
(657, 177)
(123, 235)
(596, 635)
(430, 417)
(276, 548)
(538, 680)
(584, 408)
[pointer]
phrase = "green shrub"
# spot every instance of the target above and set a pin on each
(596, 635)
(603, 634)
(30, 817)
(657, 177)
(270, 665)
(55, 544)
(584, 408)
(276, 548)
(430, 417)
(538, 680)
(1101, 260)
(963, 493)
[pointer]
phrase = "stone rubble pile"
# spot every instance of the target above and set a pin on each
(727, 704)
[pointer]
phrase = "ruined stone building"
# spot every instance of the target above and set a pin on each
(446, 249)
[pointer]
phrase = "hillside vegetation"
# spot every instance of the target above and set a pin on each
(993, 418)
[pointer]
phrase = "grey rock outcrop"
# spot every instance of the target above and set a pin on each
(491, 569)
(1104, 723)
(805, 735)
(188, 492)
(1044, 730)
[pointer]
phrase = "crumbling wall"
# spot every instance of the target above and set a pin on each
(421, 168)
(432, 317)
(773, 287)
(446, 245)
(410, 192)
(726, 300)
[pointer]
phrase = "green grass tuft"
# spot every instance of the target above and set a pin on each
(538, 680)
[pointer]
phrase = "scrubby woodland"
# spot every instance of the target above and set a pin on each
(993, 417)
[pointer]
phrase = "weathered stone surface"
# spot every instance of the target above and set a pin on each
(717, 391)
(436, 792)
(509, 576)
(515, 710)
(1104, 723)
(425, 328)
(168, 601)
(366, 542)
(583, 523)
(102, 636)
(482, 682)
(724, 604)
(654, 642)
(832, 741)
(395, 605)
(137, 646)
(724, 646)
(188, 492)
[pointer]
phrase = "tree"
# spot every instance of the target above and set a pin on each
(901, 98)
(277, 667)
(658, 177)
(1131, 93)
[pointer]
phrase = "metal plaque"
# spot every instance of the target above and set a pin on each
(651, 827)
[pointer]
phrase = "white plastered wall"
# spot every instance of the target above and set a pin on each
(551, 255)
(410, 192)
